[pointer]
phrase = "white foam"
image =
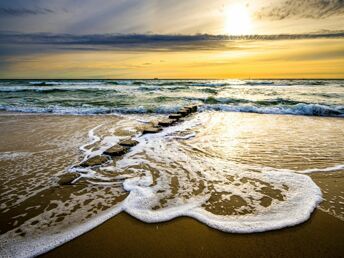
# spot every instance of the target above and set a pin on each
(36, 245)
(92, 140)
(300, 200)
(328, 169)
(107, 142)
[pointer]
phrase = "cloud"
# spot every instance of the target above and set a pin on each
(24, 11)
(313, 9)
(147, 42)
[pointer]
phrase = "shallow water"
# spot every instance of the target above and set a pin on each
(235, 172)
(300, 97)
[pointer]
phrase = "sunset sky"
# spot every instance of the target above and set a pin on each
(172, 39)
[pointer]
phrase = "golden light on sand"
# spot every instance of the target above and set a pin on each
(238, 20)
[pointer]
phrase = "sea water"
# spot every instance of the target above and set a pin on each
(299, 97)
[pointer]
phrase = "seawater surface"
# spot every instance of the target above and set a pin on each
(235, 172)
(302, 97)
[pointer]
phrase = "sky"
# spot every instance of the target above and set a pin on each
(171, 39)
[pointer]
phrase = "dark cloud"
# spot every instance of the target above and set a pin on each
(147, 41)
(313, 9)
(24, 11)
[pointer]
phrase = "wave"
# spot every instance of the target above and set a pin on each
(63, 82)
(213, 100)
(209, 90)
(56, 89)
(91, 110)
(44, 83)
(253, 83)
(299, 109)
(195, 83)
(149, 88)
(226, 100)
(113, 83)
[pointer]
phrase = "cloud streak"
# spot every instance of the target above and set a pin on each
(25, 11)
(312, 9)
(148, 41)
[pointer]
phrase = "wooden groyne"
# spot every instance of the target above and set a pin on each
(124, 146)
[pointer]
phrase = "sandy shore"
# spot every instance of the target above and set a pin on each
(124, 236)
(50, 144)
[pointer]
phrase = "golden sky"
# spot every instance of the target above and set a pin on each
(172, 39)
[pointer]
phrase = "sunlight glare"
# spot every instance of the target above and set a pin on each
(238, 20)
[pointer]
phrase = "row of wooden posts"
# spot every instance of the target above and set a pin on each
(124, 146)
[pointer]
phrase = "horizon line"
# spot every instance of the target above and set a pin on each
(182, 79)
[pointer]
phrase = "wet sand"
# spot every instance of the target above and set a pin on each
(49, 144)
(124, 236)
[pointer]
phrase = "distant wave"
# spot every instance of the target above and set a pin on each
(54, 90)
(197, 83)
(39, 83)
(62, 82)
(93, 89)
(259, 83)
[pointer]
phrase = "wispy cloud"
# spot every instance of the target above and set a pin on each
(314, 9)
(24, 11)
(147, 42)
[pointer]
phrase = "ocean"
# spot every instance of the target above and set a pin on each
(296, 97)
(258, 155)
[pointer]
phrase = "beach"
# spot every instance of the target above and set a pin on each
(284, 161)
(172, 128)
(184, 237)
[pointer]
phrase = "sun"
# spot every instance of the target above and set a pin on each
(237, 20)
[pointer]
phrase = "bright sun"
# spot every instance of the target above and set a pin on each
(238, 20)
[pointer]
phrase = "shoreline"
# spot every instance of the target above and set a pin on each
(125, 236)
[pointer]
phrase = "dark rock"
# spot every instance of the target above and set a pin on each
(167, 122)
(116, 150)
(175, 116)
(192, 108)
(67, 179)
(184, 112)
(187, 110)
(95, 161)
(151, 129)
(128, 143)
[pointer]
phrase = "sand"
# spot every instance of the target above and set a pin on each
(47, 136)
(124, 236)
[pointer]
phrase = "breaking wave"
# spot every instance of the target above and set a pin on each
(298, 109)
